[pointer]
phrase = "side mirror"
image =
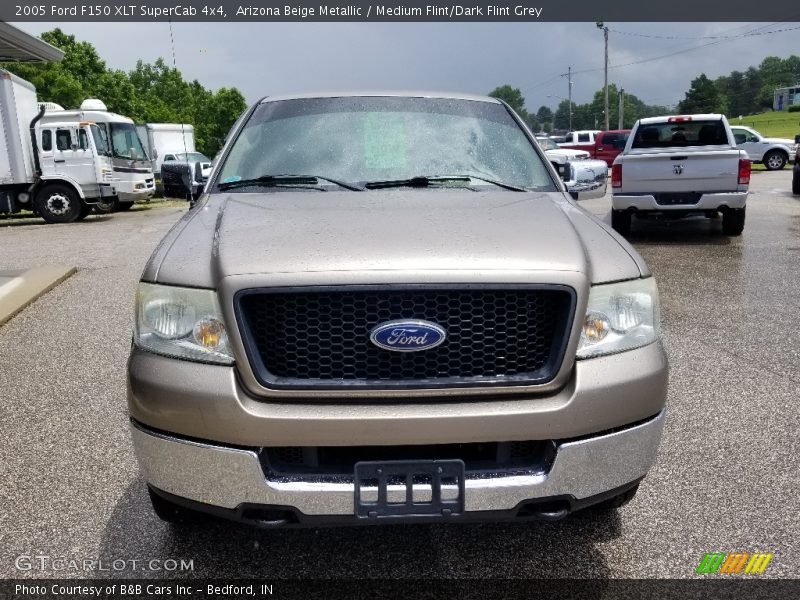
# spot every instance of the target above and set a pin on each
(154, 152)
(74, 146)
(586, 179)
(134, 154)
(797, 139)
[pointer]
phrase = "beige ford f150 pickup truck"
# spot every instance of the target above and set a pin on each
(389, 308)
(678, 166)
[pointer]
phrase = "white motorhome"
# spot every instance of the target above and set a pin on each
(162, 139)
(59, 164)
(132, 171)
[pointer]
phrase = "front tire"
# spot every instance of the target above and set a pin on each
(775, 160)
(733, 221)
(621, 221)
(58, 203)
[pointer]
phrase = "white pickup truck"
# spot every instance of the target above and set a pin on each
(773, 153)
(680, 165)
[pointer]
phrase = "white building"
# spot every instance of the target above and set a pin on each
(786, 97)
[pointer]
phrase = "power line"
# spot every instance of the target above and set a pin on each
(705, 37)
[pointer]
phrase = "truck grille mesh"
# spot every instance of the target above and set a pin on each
(321, 338)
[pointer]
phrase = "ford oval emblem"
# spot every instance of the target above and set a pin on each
(407, 336)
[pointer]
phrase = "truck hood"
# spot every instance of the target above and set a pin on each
(567, 153)
(346, 233)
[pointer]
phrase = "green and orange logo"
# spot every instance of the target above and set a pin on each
(733, 563)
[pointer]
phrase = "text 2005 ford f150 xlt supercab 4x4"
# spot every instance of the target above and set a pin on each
(678, 166)
(388, 308)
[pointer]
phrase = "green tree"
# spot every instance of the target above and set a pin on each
(511, 96)
(149, 93)
(702, 97)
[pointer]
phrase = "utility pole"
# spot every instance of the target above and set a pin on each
(605, 36)
(568, 75)
(621, 110)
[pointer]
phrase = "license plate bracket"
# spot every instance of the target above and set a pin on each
(397, 489)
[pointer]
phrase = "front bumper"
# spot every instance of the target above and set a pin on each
(647, 202)
(230, 477)
(208, 402)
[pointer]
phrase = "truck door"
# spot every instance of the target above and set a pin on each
(749, 142)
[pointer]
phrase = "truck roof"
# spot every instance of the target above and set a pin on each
(99, 116)
(169, 126)
(666, 118)
(398, 94)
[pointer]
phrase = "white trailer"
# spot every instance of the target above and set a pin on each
(61, 184)
(161, 139)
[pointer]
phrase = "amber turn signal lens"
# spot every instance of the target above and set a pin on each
(595, 327)
(209, 333)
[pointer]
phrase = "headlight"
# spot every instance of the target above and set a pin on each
(620, 316)
(181, 322)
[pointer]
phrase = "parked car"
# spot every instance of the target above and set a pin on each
(184, 174)
(580, 140)
(796, 170)
(773, 153)
(676, 166)
(444, 334)
(609, 144)
(559, 157)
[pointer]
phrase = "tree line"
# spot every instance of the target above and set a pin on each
(150, 93)
(739, 93)
(742, 92)
(584, 116)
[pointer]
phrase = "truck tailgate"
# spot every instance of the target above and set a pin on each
(675, 171)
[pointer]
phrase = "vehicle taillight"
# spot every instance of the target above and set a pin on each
(679, 120)
(744, 171)
(616, 175)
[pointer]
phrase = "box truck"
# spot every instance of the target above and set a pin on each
(161, 139)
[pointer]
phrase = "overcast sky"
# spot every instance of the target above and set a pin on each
(273, 58)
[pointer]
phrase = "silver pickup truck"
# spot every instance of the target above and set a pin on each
(681, 165)
(389, 308)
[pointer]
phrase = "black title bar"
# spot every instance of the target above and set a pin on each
(398, 11)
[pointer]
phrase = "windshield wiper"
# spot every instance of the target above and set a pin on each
(278, 180)
(423, 181)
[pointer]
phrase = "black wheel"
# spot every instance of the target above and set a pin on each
(621, 221)
(122, 206)
(58, 203)
(104, 207)
(775, 160)
(86, 210)
(796, 182)
(172, 513)
(733, 221)
(617, 501)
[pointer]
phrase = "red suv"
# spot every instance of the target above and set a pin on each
(608, 144)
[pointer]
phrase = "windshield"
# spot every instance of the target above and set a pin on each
(123, 139)
(191, 157)
(368, 139)
(547, 144)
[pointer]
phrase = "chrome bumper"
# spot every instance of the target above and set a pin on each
(707, 202)
(227, 477)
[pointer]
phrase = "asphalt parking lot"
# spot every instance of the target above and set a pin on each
(726, 477)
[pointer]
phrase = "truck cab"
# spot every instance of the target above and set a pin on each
(132, 172)
(77, 153)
